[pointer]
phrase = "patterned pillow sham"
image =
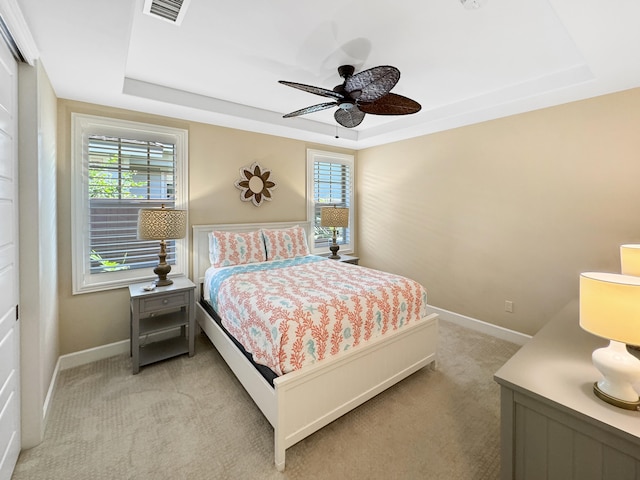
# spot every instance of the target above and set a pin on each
(285, 243)
(235, 248)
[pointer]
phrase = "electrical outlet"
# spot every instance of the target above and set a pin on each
(508, 306)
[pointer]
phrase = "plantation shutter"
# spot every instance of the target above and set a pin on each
(125, 175)
(331, 187)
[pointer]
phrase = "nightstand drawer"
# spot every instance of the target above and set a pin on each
(179, 299)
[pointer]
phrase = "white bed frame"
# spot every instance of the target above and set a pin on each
(306, 400)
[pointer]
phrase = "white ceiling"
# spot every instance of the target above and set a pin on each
(223, 63)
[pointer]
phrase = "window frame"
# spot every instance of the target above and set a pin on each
(83, 126)
(313, 156)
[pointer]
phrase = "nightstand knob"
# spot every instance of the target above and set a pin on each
(165, 301)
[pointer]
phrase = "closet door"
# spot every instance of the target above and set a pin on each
(9, 326)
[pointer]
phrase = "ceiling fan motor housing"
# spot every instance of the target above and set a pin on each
(346, 70)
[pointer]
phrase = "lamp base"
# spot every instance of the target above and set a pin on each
(620, 370)
(334, 251)
(627, 405)
(162, 270)
(163, 282)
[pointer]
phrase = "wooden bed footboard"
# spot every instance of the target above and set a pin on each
(306, 400)
(310, 398)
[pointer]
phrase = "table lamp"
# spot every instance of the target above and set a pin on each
(162, 224)
(630, 259)
(334, 217)
(630, 265)
(610, 308)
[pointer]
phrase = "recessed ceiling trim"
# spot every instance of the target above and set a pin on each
(171, 11)
(495, 104)
(223, 109)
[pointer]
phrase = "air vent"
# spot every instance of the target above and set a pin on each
(169, 10)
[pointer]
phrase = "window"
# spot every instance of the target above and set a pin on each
(330, 183)
(118, 168)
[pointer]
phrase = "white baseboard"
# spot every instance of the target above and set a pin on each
(83, 357)
(52, 387)
(89, 355)
(80, 358)
(118, 348)
(480, 326)
(105, 351)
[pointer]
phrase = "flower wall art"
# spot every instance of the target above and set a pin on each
(254, 184)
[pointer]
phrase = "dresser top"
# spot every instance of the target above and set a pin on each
(555, 366)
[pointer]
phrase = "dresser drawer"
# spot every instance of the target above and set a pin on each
(153, 304)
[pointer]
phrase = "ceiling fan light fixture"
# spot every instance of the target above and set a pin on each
(473, 4)
(360, 93)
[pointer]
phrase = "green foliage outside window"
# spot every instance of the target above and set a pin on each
(109, 265)
(111, 182)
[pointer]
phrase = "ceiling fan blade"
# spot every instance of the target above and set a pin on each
(323, 92)
(372, 84)
(349, 117)
(313, 108)
(391, 104)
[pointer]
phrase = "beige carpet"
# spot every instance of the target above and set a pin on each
(189, 418)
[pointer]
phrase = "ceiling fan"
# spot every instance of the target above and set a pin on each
(364, 92)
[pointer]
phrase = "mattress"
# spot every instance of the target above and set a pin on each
(291, 313)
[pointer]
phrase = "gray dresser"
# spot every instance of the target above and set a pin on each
(552, 425)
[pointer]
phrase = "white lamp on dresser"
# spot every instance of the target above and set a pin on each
(610, 308)
(630, 265)
(630, 259)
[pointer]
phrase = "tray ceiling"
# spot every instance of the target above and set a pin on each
(222, 64)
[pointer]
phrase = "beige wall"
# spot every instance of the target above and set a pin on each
(511, 209)
(216, 155)
(39, 326)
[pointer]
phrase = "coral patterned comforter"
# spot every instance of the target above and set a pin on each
(295, 312)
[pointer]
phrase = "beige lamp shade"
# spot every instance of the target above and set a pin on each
(630, 260)
(161, 224)
(610, 306)
(334, 217)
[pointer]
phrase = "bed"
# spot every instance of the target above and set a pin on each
(300, 401)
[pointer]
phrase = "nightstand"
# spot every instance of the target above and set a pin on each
(157, 312)
(348, 259)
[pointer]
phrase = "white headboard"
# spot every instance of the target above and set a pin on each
(201, 241)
